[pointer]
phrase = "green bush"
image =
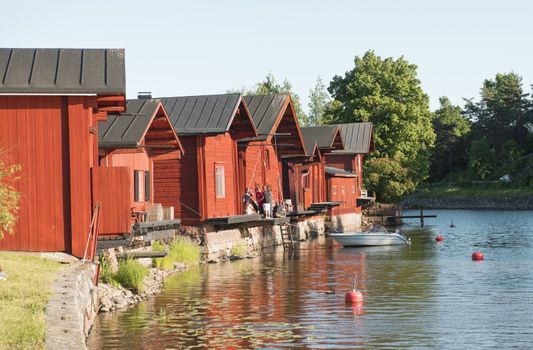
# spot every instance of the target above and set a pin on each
(131, 274)
(238, 249)
(9, 197)
(181, 250)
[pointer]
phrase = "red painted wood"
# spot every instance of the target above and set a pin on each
(32, 135)
(112, 188)
(175, 182)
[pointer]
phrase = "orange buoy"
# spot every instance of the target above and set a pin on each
(477, 256)
(439, 238)
(354, 297)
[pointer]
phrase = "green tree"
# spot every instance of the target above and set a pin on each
(481, 159)
(387, 92)
(502, 112)
(318, 101)
(271, 86)
(452, 130)
(9, 198)
(388, 178)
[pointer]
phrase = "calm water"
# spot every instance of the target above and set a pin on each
(430, 295)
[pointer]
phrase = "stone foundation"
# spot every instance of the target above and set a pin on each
(310, 227)
(72, 308)
(346, 222)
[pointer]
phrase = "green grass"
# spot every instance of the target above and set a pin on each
(131, 275)
(181, 250)
(23, 298)
(238, 250)
(481, 191)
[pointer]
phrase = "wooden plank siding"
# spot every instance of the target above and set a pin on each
(342, 189)
(262, 167)
(175, 182)
(220, 150)
(50, 137)
(136, 159)
(112, 188)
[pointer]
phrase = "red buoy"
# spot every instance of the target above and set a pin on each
(477, 256)
(353, 297)
(439, 238)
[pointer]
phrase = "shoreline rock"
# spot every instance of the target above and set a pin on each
(113, 298)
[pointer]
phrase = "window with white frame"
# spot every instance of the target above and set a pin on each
(220, 182)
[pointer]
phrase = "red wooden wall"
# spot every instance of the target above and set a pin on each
(342, 189)
(50, 137)
(262, 167)
(112, 188)
(221, 150)
(134, 159)
(175, 182)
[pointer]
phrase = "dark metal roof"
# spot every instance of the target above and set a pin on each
(323, 135)
(207, 114)
(62, 71)
(265, 110)
(339, 172)
(127, 129)
(357, 137)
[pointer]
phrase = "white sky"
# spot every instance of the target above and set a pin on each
(203, 47)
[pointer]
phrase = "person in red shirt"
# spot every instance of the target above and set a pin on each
(259, 197)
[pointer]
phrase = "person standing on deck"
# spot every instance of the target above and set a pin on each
(267, 202)
(259, 198)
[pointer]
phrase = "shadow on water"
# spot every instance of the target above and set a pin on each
(428, 295)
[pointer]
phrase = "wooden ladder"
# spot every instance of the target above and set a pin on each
(286, 236)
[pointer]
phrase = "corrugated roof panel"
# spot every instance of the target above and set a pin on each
(127, 129)
(62, 71)
(265, 110)
(357, 137)
(201, 114)
(323, 135)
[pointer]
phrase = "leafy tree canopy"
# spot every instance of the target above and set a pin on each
(452, 130)
(318, 101)
(387, 92)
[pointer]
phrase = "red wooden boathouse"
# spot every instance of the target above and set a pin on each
(129, 143)
(50, 102)
(265, 159)
(311, 174)
(344, 168)
(207, 182)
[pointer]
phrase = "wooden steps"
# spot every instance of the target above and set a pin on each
(286, 236)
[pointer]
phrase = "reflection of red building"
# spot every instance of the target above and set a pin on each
(52, 100)
(129, 144)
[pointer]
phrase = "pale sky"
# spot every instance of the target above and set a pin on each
(204, 47)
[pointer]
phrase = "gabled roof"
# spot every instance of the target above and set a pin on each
(358, 137)
(265, 110)
(206, 114)
(326, 136)
(62, 71)
(275, 114)
(131, 128)
(338, 172)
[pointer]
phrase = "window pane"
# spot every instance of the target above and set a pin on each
(220, 183)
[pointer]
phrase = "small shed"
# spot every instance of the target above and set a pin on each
(267, 158)
(50, 103)
(208, 181)
(129, 143)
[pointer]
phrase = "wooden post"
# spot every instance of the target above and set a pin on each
(421, 218)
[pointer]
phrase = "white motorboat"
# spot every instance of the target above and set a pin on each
(376, 236)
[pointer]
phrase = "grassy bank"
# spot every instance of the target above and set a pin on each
(23, 298)
(479, 191)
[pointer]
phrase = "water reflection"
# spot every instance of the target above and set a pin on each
(429, 295)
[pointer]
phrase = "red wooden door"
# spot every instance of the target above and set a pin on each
(112, 188)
